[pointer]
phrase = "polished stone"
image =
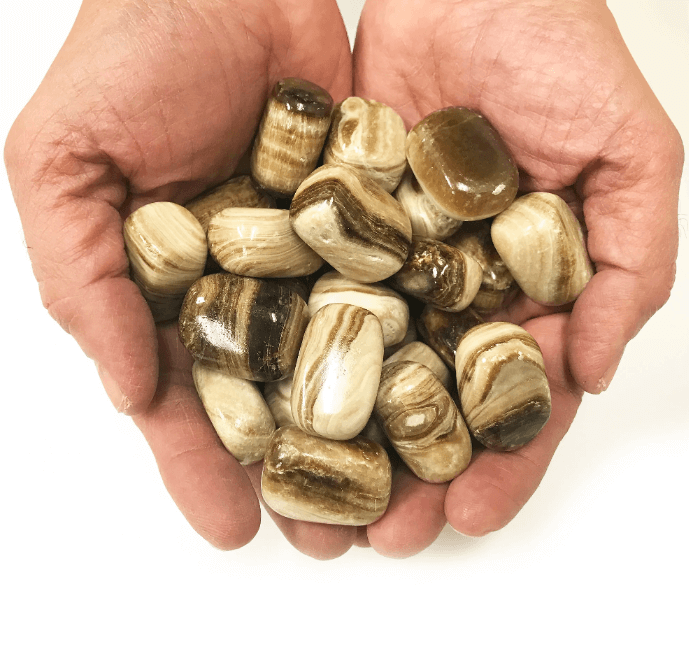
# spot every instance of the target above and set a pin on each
(370, 137)
(439, 275)
(291, 135)
(351, 222)
(422, 422)
(542, 244)
(388, 306)
(337, 373)
(502, 385)
(443, 331)
(315, 479)
(246, 327)
(238, 412)
(166, 248)
(462, 164)
(423, 354)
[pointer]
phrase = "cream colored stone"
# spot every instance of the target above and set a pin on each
(423, 354)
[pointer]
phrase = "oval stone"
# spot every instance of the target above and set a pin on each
(237, 411)
(422, 422)
(423, 354)
(245, 327)
(388, 306)
(315, 479)
(462, 164)
(338, 371)
(502, 385)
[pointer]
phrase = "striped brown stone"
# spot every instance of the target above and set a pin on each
(443, 331)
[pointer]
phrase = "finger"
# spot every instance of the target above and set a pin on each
(414, 517)
(206, 482)
(496, 485)
(320, 541)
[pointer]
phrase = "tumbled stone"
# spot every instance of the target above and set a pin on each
(443, 331)
(422, 422)
(370, 137)
(166, 247)
(502, 385)
(259, 243)
(497, 285)
(278, 396)
(389, 307)
(352, 223)
(439, 275)
(246, 327)
(315, 479)
(337, 373)
(240, 191)
(462, 164)
(291, 135)
(426, 219)
(423, 354)
(542, 244)
(237, 411)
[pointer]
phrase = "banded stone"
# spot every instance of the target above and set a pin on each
(542, 244)
(240, 191)
(259, 243)
(443, 331)
(462, 164)
(245, 327)
(422, 422)
(389, 307)
(166, 247)
(315, 479)
(502, 385)
(423, 354)
(337, 373)
(291, 135)
(439, 274)
(352, 223)
(370, 137)
(238, 412)
(497, 285)
(278, 396)
(426, 219)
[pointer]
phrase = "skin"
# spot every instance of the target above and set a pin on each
(159, 100)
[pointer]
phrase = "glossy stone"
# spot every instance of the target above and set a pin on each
(502, 385)
(166, 247)
(462, 164)
(389, 307)
(291, 135)
(240, 191)
(422, 422)
(426, 219)
(337, 373)
(246, 327)
(423, 354)
(259, 243)
(438, 274)
(278, 396)
(442, 330)
(370, 137)
(497, 285)
(237, 411)
(319, 480)
(352, 223)
(542, 244)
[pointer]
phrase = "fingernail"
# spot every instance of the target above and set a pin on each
(112, 389)
(605, 381)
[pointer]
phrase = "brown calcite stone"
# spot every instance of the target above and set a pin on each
(290, 138)
(438, 274)
(443, 331)
(423, 354)
(502, 385)
(462, 164)
(497, 284)
(245, 327)
(315, 479)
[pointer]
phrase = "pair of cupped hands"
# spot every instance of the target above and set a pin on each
(158, 100)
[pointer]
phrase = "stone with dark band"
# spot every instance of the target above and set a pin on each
(443, 331)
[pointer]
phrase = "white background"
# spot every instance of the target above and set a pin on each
(99, 568)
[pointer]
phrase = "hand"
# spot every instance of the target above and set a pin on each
(559, 84)
(148, 101)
